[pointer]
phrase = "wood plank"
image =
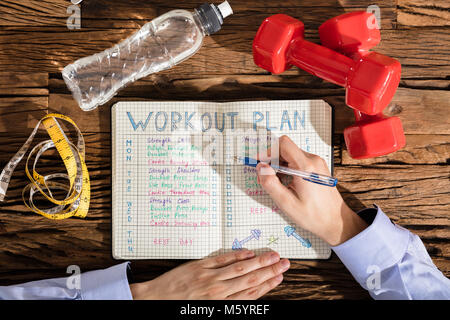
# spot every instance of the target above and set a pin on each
(419, 149)
(416, 106)
(19, 114)
(116, 8)
(12, 79)
(173, 85)
(431, 84)
(34, 12)
(419, 60)
(247, 16)
(131, 14)
(338, 141)
(98, 120)
(23, 84)
(408, 104)
(23, 100)
(423, 13)
(421, 111)
(164, 83)
(37, 50)
(409, 194)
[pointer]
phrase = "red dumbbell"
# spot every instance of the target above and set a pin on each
(354, 34)
(370, 79)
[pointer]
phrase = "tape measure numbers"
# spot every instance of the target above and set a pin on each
(76, 202)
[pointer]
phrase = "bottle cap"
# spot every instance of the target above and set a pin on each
(225, 9)
(211, 16)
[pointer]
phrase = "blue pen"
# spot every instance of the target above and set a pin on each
(308, 176)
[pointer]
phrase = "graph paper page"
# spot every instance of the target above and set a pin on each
(252, 220)
(179, 193)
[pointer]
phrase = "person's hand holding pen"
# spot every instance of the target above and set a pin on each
(314, 207)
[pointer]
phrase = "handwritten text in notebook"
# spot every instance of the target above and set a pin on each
(177, 191)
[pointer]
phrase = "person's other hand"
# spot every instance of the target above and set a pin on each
(317, 208)
(235, 275)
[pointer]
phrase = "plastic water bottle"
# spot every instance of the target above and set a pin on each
(158, 45)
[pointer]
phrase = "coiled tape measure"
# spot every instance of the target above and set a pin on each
(76, 202)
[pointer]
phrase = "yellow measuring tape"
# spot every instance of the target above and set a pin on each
(76, 202)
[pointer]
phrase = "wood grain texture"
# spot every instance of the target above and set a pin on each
(228, 52)
(406, 104)
(23, 84)
(423, 13)
(419, 149)
(247, 15)
(412, 185)
(23, 100)
(33, 12)
(133, 13)
(19, 114)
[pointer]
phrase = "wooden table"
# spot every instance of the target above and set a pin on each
(412, 185)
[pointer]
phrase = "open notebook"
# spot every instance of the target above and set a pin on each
(178, 192)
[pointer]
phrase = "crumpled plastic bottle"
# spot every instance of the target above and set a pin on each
(159, 45)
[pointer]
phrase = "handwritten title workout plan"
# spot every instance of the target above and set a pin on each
(178, 191)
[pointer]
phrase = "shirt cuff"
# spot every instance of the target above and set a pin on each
(381, 245)
(106, 284)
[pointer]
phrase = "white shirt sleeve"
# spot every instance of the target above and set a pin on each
(391, 262)
(106, 284)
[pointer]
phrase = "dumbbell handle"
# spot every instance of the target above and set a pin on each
(362, 117)
(320, 61)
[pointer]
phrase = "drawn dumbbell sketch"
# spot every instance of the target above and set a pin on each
(290, 231)
(254, 234)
